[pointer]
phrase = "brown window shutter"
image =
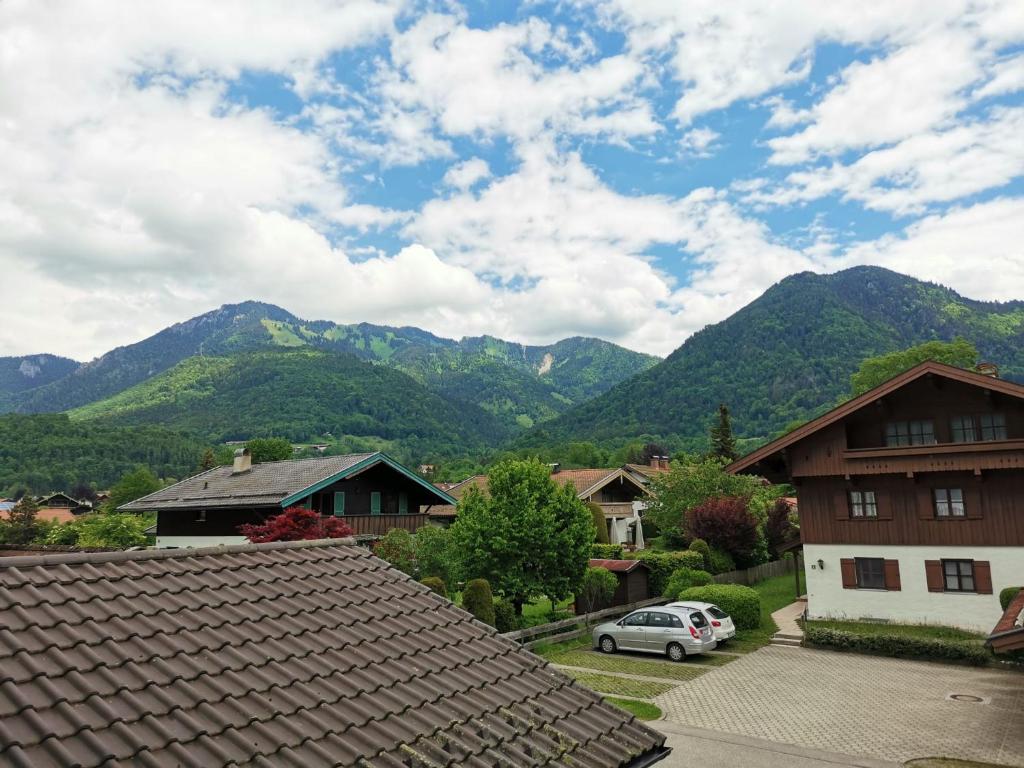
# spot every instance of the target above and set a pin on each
(933, 574)
(892, 575)
(849, 571)
(925, 503)
(841, 502)
(883, 500)
(972, 502)
(982, 577)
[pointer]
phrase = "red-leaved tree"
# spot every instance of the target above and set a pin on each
(295, 524)
(724, 523)
(779, 529)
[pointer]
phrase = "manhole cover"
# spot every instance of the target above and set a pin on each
(967, 698)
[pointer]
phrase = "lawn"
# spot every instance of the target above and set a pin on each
(618, 662)
(641, 709)
(776, 592)
(541, 611)
(620, 686)
(922, 631)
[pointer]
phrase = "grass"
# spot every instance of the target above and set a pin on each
(642, 710)
(618, 662)
(903, 630)
(776, 592)
(542, 611)
(620, 686)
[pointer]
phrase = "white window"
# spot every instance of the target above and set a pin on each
(863, 504)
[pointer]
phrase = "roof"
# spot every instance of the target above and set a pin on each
(647, 469)
(1008, 634)
(284, 654)
(618, 566)
(273, 483)
(929, 367)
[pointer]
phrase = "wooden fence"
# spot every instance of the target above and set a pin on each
(575, 626)
(757, 573)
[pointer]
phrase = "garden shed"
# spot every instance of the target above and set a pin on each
(632, 576)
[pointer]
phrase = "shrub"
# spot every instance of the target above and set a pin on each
(600, 523)
(742, 603)
(662, 564)
(505, 617)
(1006, 596)
(478, 600)
(684, 578)
(721, 561)
(434, 584)
(779, 528)
(111, 530)
(433, 552)
(606, 551)
(699, 545)
(725, 523)
(900, 646)
(398, 547)
(599, 585)
(295, 524)
(22, 525)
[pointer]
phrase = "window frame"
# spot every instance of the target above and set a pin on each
(909, 432)
(869, 509)
(962, 424)
(641, 616)
(861, 582)
(943, 498)
(376, 503)
(960, 576)
(997, 430)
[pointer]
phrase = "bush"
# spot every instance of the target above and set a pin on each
(599, 585)
(1006, 596)
(742, 603)
(505, 617)
(699, 545)
(478, 600)
(721, 561)
(899, 646)
(433, 553)
(434, 584)
(779, 529)
(662, 564)
(600, 523)
(684, 578)
(398, 547)
(606, 551)
(725, 523)
(294, 524)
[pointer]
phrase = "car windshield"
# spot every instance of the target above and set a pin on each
(698, 620)
(717, 612)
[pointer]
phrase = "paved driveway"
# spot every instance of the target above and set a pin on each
(858, 705)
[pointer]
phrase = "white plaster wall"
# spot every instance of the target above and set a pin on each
(196, 542)
(913, 604)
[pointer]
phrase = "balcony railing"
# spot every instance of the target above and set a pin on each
(378, 525)
(978, 446)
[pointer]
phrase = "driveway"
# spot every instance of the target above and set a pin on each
(887, 709)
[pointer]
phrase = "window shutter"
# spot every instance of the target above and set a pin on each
(982, 577)
(403, 503)
(933, 575)
(925, 504)
(339, 503)
(841, 502)
(892, 575)
(374, 502)
(849, 571)
(972, 502)
(883, 501)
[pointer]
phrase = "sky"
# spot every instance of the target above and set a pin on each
(627, 169)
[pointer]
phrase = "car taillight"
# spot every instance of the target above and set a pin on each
(694, 632)
(715, 623)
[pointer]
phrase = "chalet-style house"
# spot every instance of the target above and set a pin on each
(372, 492)
(911, 498)
(306, 653)
(619, 492)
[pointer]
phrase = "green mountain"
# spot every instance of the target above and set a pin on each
(519, 384)
(305, 395)
(18, 374)
(788, 355)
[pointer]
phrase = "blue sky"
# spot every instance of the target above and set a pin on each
(629, 170)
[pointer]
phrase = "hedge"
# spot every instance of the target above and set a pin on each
(1007, 595)
(662, 564)
(743, 604)
(721, 561)
(505, 617)
(699, 545)
(606, 551)
(435, 584)
(899, 646)
(478, 600)
(684, 578)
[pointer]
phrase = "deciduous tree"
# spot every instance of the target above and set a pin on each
(598, 586)
(265, 449)
(296, 524)
(879, 369)
(136, 484)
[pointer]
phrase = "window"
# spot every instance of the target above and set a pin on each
(677, 622)
(993, 426)
(660, 620)
(949, 502)
(870, 572)
(374, 502)
(958, 575)
(717, 612)
(635, 620)
(863, 504)
(962, 429)
(698, 620)
(201, 516)
(919, 432)
(403, 503)
(339, 503)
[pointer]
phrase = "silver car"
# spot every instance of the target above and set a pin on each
(675, 632)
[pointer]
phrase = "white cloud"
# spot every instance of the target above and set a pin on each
(1007, 77)
(467, 173)
(699, 142)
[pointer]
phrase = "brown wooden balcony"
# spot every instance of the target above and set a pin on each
(936, 457)
(378, 525)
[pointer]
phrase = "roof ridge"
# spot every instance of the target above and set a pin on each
(72, 558)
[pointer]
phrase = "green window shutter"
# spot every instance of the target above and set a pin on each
(374, 502)
(403, 503)
(339, 503)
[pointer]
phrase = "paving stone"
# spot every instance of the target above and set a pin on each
(889, 709)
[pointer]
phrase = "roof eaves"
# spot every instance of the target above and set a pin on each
(612, 474)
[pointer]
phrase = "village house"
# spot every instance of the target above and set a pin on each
(911, 498)
(371, 492)
(302, 653)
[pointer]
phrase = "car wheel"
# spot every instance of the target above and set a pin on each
(607, 644)
(676, 652)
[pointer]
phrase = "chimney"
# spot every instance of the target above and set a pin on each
(655, 462)
(555, 468)
(988, 369)
(664, 462)
(243, 461)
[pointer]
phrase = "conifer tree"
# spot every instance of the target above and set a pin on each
(723, 445)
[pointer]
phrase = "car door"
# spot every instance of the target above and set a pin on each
(659, 631)
(632, 632)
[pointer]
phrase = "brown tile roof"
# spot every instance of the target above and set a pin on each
(647, 469)
(286, 654)
(618, 566)
(1008, 634)
(60, 514)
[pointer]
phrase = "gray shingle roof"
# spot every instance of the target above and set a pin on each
(288, 654)
(264, 485)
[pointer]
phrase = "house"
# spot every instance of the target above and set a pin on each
(619, 492)
(61, 506)
(632, 577)
(304, 653)
(1008, 634)
(911, 498)
(372, 492)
